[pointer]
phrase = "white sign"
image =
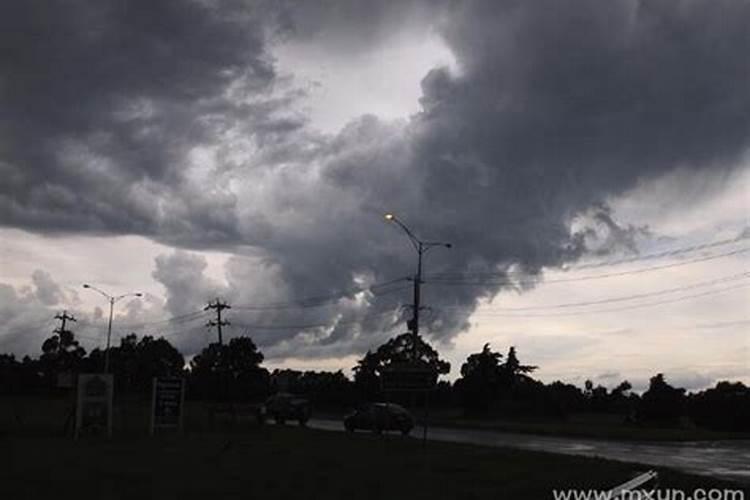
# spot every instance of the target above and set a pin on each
(94, 404)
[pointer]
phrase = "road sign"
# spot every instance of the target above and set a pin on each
(167, 403)
(408, 377)
(94, 404)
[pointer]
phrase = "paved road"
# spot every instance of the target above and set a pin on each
(723, 459)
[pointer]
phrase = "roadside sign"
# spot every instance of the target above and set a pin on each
(167, 403)
(408, 377)
(94, 404)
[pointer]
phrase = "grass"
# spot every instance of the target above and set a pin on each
(291, 462)
(38, 461)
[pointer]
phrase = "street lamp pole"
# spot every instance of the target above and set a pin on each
(111, 299)
(421, 248)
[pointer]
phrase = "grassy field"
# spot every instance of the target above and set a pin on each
(244, 460)
(291, 462)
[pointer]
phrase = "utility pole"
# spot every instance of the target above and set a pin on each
(421, 247)
(414, 322)
(64, 317)
(218, 306)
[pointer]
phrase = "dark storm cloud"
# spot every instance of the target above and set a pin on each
(102, 100)
(558, 106)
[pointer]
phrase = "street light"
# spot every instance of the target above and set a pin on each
(111, 299)
(422, 247)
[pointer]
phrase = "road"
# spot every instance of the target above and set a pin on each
(721, 459)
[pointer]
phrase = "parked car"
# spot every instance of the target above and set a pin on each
(379, 417)
(284, 406)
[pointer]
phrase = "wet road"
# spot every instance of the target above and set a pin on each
(721, 459)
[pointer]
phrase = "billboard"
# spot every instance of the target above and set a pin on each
(167, 403)
(94, 404)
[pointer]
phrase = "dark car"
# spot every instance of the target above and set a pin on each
(283, 406)
(379, 417)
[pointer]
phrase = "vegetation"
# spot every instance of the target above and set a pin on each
(493, 390)
(289, 462)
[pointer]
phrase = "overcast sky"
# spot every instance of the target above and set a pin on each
(589, 161)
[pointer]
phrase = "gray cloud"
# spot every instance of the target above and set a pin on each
(557, 107)
(103, 100)
(47, 291)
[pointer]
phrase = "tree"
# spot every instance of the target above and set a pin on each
(398, 350)
(566, 398)
(134, 363)
(662, 404)
(513, 373)
(231, 370)
(60, 353)
(367, 378)
(486, 383)
(725, 407)
(479, 384)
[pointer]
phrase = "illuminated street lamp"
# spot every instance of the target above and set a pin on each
(421, 247)
(111, 299)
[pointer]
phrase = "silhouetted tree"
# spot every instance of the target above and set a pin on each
(60, 353)
(662, 404)
(513, 375)
(621, 400)
(725, 407)
(400, 349)
(135, 362)
(11, 376)
(479, 384)
(565, 398)
(367, 378)
(231, 370)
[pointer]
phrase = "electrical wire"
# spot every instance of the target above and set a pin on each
(623, 298)
(618, 309)
(613, 262)
(459, 282)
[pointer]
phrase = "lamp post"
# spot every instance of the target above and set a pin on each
(111, 299)
(421, 247)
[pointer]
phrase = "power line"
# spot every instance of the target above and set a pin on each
(480, 282)
(183, 318)
(666, 253)
(667, 291)
(612, 262)
(618, 309)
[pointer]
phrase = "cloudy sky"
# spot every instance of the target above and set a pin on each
(589, 161)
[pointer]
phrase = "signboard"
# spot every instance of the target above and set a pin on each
(94, 404)
(167, 403)
(408, 377)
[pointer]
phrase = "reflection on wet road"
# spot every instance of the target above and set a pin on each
(724, 459)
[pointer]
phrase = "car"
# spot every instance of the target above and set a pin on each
(379, 417)
(284, 406)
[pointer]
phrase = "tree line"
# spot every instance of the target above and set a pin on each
(491, 385)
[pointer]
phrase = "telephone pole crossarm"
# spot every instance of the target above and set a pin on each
(218, 306)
